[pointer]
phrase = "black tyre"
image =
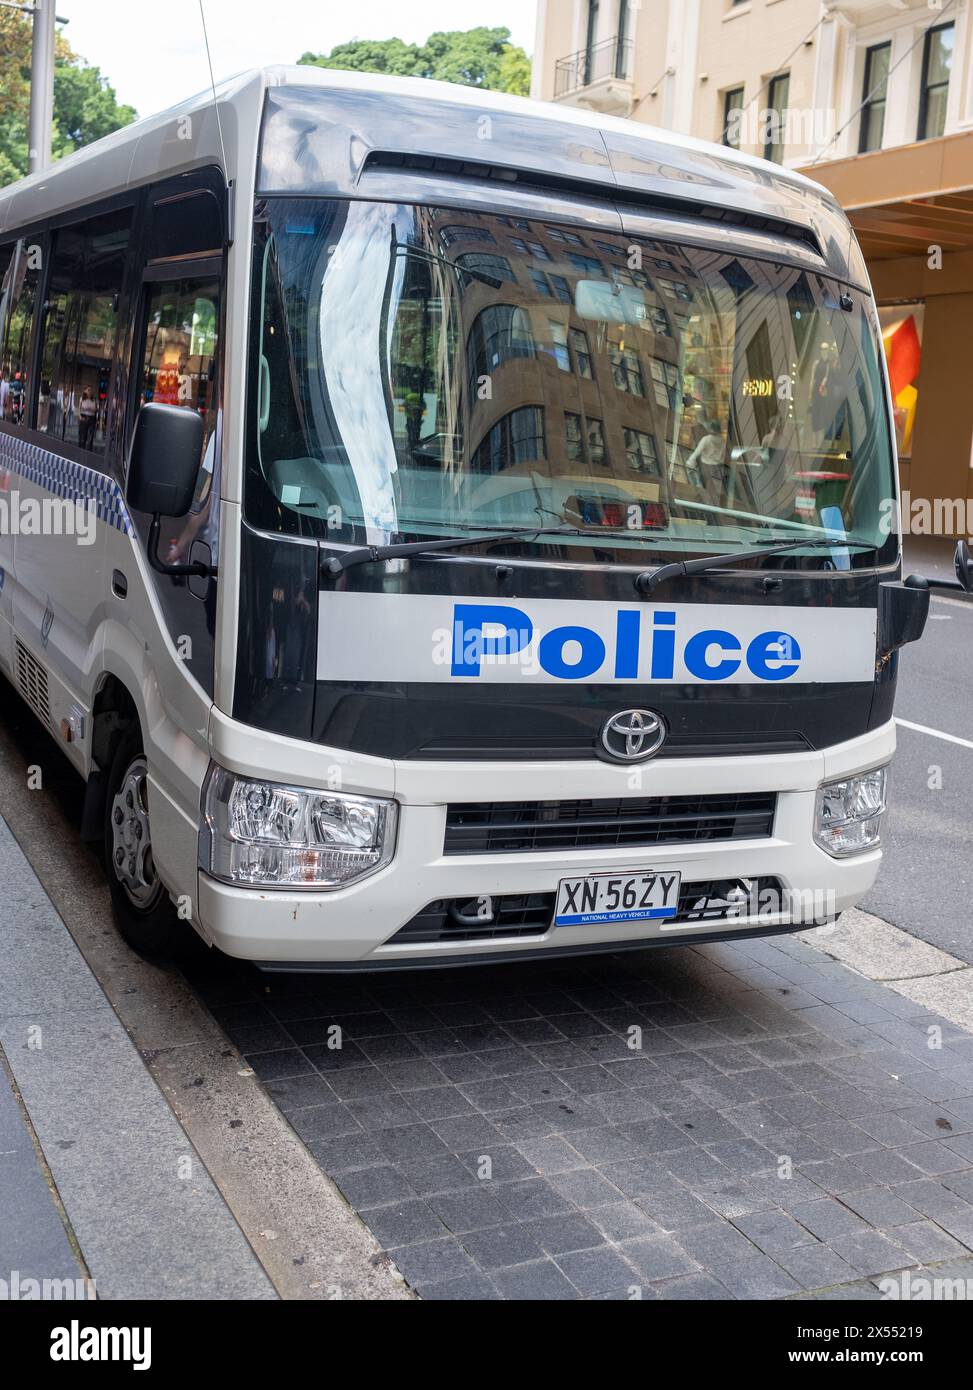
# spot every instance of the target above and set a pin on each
(144, 912)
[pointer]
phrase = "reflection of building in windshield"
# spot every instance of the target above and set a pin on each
(462, 367)
(601, 372)
(563, 413)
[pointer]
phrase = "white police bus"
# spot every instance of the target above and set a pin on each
(485, 532)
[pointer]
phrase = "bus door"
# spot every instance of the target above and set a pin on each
(176, 361)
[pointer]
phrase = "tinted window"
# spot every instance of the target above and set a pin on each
(184, 225)
(18, 297)
(80, 329)
(179, 368)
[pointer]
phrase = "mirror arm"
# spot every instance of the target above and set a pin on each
(195, 567)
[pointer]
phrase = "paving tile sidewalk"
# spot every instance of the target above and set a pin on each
(751, 1120)
(34, 1243)
(147, 1217)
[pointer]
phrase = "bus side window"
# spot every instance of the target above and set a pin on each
(18, 296)
(179, 367)
(80, 329)
(179, 358)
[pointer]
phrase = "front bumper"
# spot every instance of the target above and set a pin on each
(354, 926)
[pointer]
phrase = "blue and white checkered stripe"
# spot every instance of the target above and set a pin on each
(67, 479)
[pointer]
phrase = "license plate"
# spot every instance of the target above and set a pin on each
(616, 898)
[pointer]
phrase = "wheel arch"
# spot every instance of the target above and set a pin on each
(114, 710)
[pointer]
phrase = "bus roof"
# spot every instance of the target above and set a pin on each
(323, 131)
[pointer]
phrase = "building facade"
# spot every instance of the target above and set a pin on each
(873, 99)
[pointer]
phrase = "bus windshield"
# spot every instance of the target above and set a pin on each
(419, 371)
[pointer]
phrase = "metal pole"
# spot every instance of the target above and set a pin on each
(41, 87)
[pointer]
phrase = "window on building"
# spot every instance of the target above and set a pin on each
(541, 283)
(775, 117)
(637, 278)
(551, 286)
(591, 38)
(678, 289)
(559, 344)
(621, 52)
(483, 263)
(585, 440)
(530, 248)
(937, 62)
(587, 265)
(732, 117)
(659, 321)
(874, 89)
(451, 235)
(626, 369)
(79, 329)
(596, 442)
(18, 297)
(582, 354)
(516, 438)
(573, 438)
(499, 334)
(565, 237)
(640, 452)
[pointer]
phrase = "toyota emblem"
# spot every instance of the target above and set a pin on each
(632, 735)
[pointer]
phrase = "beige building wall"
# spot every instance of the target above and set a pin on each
(743, 46)
(683, 56)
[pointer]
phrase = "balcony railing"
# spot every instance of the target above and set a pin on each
(611, 59)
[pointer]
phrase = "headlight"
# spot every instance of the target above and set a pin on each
(848, 814)
(265, 835)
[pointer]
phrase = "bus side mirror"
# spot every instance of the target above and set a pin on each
(163, 465)
(963, 567)
(902, 612)
(164, 459)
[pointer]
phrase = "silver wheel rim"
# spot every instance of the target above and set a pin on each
(131, 856)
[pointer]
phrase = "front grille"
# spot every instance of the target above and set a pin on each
(531, 914)
(513, 827)
(575, 745)
(522, 914)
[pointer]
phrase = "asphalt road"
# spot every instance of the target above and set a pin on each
(926, 882)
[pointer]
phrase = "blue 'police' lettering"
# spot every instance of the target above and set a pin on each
(627, 645)
(550, 653)
(663, 646)
(486, 630)
(778, 647)
(469, 643)
(697, 654)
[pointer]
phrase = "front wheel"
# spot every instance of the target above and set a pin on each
(143, 910)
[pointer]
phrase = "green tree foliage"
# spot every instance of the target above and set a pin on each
(474, 57)
(85, 107)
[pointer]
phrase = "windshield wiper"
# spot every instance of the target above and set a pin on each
(337, 564)
(649, 580)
